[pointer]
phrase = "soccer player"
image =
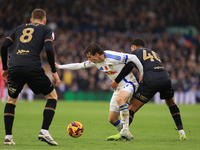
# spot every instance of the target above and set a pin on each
(24, 66)
(111, 63)
(155, 79)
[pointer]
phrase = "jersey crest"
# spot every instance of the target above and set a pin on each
(110, 66)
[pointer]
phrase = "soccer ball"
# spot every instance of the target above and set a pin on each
(75, 129)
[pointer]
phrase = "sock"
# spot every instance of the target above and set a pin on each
(181, 132)
(124, 114)
(44, 131)
(118, 125)
(48, 113)
(131, 116)
(8, 137)
(176, 116)
(9, 113)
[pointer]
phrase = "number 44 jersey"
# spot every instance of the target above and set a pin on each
(151, 64)
(28, 41)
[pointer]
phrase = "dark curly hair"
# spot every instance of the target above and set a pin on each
(94, 48)
(138, 42)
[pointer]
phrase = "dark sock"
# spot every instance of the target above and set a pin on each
(176, 116)
(131, 115)
(48, 113)
(9, 113)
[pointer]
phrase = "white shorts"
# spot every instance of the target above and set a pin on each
(131, 88)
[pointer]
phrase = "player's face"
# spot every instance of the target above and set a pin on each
(93, 58)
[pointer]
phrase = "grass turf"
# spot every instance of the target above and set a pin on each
(153, 127)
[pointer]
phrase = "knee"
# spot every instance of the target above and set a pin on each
(120, 101)
(12, 100)
(52, 95)
(170, 102)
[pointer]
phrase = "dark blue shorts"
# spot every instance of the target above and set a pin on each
(147, 90)
(36, 79)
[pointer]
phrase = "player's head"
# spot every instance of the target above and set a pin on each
(38, 15)
(137, 43)
(94, 52)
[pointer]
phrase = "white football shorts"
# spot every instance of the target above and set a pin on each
(131, 88)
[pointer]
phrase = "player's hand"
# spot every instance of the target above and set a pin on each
(56, 65)
(140, 79)
(56, 79)
(114, 85)
(4, 75)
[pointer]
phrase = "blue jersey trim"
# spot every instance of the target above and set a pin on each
(126, 58)
(116, 57)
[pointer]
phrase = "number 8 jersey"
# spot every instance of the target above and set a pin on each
(28, 41)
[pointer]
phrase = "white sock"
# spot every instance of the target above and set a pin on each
(119, 126)
(181, 132)
(124, 114)
(8, 137)
(44, 131)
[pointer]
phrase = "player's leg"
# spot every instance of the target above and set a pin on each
(15, 84)
(48, 115)
(167, 93)
(175, 112)
(9, 114)
(40, 83)
(114, 119)
(121, 99)
(133, 108)
(114, 112)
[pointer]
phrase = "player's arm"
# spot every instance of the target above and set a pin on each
(133, 58)
(4, 56)
(51, 60)
(48, 42)
(50, 55)
(124, 72)
(4, 52)
(76, 66)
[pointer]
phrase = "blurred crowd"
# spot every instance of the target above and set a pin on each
(113, 25)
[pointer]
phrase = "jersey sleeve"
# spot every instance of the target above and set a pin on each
(77, 66)
(126, 58)
(125, 71)
(11, 36)
(4, 54)
(49, 36)
(133, 58)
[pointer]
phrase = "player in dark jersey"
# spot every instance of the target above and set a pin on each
(155, 79)
(24, 66)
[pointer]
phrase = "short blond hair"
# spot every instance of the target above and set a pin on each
(38, 14)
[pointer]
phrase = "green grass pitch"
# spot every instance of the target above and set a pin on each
(153, 127)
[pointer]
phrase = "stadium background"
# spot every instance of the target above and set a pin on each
(169, 27)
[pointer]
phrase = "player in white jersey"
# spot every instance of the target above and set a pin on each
(112, 63)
